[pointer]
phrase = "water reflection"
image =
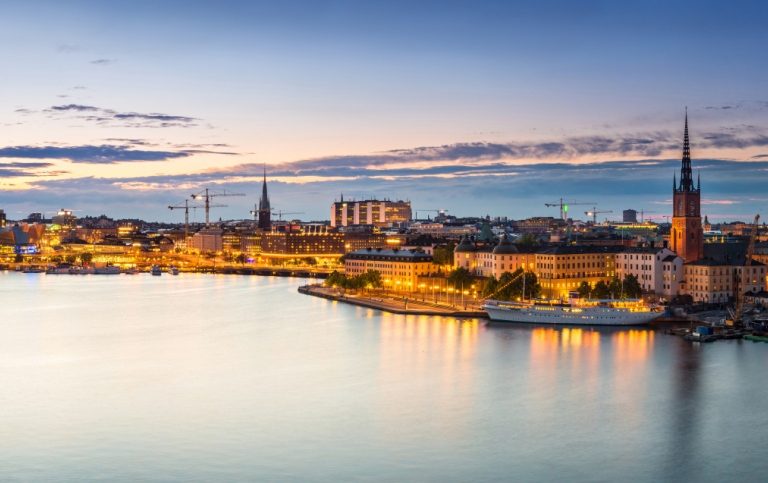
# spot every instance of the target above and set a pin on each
(437, 355)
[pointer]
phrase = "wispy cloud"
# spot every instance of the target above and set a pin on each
(103, 61)
(706, 201)
(104, 154)
(111, 118)
(68, 48)
(17, 170)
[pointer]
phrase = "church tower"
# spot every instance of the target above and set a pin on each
(264, 209)
(687, 235)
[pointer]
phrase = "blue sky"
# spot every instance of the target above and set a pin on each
(476, 107)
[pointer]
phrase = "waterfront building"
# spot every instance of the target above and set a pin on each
(367, 236)
(370, 212)
(658, 270)
(687, 234)
(716, 281)
(399, 269)
(562, 269)
(485, 260)
(2, 219)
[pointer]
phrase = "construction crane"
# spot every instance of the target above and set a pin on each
(186, 215)
(747, 264)
(642, 213)
(280, 214)
(207, 194)
(564, 206)
(594, 213)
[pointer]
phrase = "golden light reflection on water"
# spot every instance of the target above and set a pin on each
(411, 348)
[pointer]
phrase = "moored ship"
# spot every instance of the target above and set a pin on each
(578, 312)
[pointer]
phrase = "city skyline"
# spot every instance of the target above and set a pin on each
(495, 109)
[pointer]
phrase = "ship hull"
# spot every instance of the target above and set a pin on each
(563, 315)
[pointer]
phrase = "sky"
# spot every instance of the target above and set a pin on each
(478, 108)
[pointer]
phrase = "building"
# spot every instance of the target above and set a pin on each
(714, 281)
(687, 234)
(562, 269)
(302, 241)
(265, 210)
(370, 212)
(65, 219)
(2, 219)
(399, 269)
(658, 270)
(207, 241)
(629, 216)
(491, 259)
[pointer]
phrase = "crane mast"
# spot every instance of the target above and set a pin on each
(747, 265)
(207, 194)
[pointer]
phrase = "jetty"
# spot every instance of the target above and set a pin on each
(392, 303)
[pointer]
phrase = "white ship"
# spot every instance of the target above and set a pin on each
(108, 270)
(578, 312)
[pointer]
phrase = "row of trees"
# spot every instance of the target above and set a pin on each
(629, 289)
(510, 286)
(369, 279)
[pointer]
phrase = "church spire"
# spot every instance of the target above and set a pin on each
(264, 207)
(686, 176)
(674, 182)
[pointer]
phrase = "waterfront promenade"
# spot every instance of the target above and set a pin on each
(393, 303)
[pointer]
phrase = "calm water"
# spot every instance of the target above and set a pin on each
(226, 378)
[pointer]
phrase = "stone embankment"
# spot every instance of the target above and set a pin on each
(395, 304)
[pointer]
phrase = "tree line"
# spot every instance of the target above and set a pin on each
(369, 279)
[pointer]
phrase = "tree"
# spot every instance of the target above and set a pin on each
(335, 279)
(584, 290)
(373, 278)
(71, 259)
(241, 259)
(310, 261)
(461, 277)
(490, 287)
(531, 287)
(527, 240)
(601, 290)
(504, 286)
(86, 257)
(443, 255)
(18, 258)
(632, 288)
(615, 288)
(57, 259)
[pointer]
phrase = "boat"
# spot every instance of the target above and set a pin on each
(130, 271)
(173, 270)
(33, 269)
(155, 270)
(756, 338)
(578, 312)
(108, 270)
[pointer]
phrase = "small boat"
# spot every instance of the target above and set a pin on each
(173, 270)
(155, 270)
(130, 271)
(756, 338)
(33, 269)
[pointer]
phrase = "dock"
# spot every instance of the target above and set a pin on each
(395, 304)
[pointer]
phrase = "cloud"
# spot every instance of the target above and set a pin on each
(103, 61)
(759, 156)
(74, 107)
(706, 201)
(17, 170)
(112, 118)
(104, 154)
(68, 48)
(78, 88)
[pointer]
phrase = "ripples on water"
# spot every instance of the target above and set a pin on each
(225, 378)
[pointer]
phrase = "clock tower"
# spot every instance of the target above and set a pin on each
(687, 235)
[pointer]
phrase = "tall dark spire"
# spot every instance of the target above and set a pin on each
(264, 207)
(674, 181)
(686, 176)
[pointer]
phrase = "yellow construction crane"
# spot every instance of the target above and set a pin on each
(747, 264)
(564, 206)
(207, 194)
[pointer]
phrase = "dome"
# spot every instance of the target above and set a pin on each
(505, 247)
(466, 245)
